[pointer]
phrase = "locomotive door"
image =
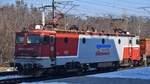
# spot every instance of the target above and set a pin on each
(48, 48)
(130, 48)
(52, 49)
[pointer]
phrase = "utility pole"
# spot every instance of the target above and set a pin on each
(43, 17)
(125, 20)
(43, 8)
(53, 11)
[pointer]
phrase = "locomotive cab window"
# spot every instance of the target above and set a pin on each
(137, 41)
(20, 38)
(83, 40)
(52, 39)
(46, 40)
(103, 41)
(130, 41)
(33, 39)
(66, 40)
(119, 41)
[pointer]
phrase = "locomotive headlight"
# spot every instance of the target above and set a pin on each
(52, 48)
(66, 52)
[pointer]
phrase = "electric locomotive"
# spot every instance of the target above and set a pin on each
(73, 50)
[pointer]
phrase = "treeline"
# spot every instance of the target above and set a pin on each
(14, 18)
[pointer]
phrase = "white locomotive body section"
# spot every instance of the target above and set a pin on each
(94, 51)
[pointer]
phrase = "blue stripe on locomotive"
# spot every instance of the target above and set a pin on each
(98, 46)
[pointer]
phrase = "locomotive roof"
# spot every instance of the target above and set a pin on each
(75, 32)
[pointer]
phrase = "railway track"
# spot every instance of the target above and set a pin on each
(12, 77)
(19, 78)
(8, 73)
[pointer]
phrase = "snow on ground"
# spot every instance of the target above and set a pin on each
(131, 76)
(139, 73)
(45, 83)
(10, 77)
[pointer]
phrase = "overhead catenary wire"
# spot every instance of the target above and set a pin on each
(100, 3)
(106, 4)
(114, 3)
(84, 10)
(135, 2)
(132, 11)
(145, 9)
(110, 6)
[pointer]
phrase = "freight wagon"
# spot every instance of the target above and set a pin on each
(145, 49)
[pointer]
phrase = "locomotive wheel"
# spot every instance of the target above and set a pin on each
(115, 66)
(85, 68)
(141, 62)
(73, 66)
(58, 69)
(134, 63)
(37, 73)
(130, 63)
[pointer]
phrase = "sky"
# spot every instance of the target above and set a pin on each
(96, 7)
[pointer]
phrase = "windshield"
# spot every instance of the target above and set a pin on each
(20, 39)
(33, 39)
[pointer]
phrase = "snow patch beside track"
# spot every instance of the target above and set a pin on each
(139, 73)
(46, 83)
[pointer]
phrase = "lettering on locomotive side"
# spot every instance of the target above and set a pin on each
(25, 48)
(103, 50)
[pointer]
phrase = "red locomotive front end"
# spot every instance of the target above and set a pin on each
(34, 46)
